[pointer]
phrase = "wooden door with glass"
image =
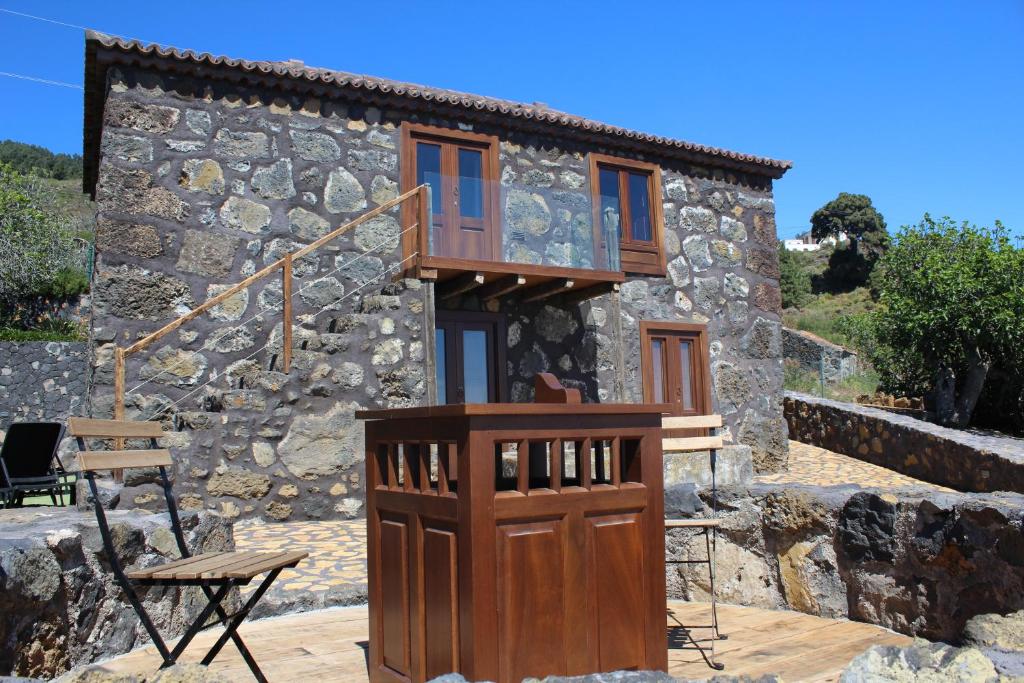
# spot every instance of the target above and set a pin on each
(460, 169)
(469, 357)
(674, 366)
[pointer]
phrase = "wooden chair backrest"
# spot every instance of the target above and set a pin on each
(691, 443)
(89, 461)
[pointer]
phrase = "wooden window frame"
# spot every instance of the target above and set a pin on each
(634, 256)
(495, 354)
(411, 133)
(699, 362)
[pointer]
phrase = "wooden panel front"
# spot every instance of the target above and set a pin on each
(440, 600)
(615, 545)
(531, 603)
(562, 574)
(394, 564)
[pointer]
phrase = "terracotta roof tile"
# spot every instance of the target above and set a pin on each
(121, 49)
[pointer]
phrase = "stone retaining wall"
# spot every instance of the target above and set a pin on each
(962, 460)
(814, 353)
(921, 564)
(42, 380)
(59, 604)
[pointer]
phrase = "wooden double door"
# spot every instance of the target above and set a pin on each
(461, 170)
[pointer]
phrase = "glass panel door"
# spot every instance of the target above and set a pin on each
(476, 370)
(469, 360)
(428, 171)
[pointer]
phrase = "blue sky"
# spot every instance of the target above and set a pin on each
(917, 104)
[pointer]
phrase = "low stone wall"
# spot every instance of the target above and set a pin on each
(42, 380)
(59, 604)
(921, 564)
(958, 459)
(817, 354)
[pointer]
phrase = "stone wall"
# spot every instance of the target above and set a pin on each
(59, 604)
(813, 353)
(42, 380)
(921, 564)
(202, 183)
(963, 460)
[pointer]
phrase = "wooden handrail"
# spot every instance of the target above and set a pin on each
(276, 265)
(284, 264)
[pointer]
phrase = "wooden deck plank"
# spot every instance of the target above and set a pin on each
(329, 645)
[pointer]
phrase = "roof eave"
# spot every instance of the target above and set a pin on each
(102, 50)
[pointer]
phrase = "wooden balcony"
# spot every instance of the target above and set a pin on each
(492, 279)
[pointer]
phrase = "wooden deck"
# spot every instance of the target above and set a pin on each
(330, 645)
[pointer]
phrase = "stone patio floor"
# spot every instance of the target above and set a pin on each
(337, 549)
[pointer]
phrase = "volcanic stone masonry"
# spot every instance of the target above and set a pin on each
(203, 182)
(42, 380)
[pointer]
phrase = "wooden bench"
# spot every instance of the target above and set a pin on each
(711, 443)
(216, 573)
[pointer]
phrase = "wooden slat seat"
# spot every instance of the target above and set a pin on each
(692, 523)
(218, 566)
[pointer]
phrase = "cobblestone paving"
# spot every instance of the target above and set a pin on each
(337, 552)
(813, 466)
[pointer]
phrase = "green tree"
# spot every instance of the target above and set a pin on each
(854, 216)
(39, 254)
(951, 309)
(39, 161)
(794, 278)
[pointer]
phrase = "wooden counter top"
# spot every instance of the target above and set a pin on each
(469, 409)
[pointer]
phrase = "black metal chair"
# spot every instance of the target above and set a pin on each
(29, 463)
(216, 573)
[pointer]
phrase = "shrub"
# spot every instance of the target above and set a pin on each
(41, 261)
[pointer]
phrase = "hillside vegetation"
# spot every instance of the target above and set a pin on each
(40, 162)
(47, 226)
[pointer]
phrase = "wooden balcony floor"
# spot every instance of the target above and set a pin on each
(330, 645)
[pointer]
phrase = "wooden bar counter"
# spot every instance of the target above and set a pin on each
(514, 540)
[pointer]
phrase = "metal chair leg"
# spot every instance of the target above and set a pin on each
(196, 626)
(236, 621)
(710, 545)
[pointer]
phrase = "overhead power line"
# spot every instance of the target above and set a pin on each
(40, 80)
(49, 21)
(65, 24)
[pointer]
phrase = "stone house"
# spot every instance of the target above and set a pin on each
(633, 267)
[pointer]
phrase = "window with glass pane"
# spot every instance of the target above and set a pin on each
(658, 359)
(640, 207)
(471, 185)
(686, 375)
(611, 210)
(428, 171)
(441, 366)
(475, 368)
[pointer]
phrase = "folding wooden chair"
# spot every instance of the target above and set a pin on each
(708, 526)
(216, 573)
